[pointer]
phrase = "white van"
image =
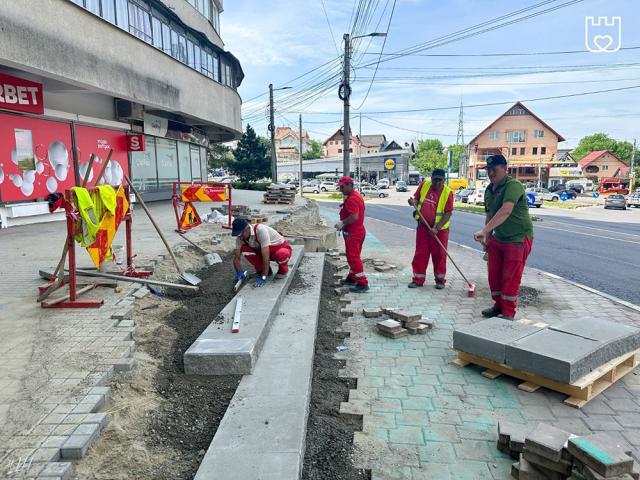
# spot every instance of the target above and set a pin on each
(587, 184)
(477, 197)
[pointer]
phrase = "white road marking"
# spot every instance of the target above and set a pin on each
(587, 234)
(593, 228)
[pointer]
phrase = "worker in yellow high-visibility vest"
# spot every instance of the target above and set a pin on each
(434, 200)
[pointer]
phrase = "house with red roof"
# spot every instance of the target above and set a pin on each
(528, 143)
(602, 164)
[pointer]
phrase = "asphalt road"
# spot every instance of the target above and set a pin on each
(601, 255)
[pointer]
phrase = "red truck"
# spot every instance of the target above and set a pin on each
(614, 185)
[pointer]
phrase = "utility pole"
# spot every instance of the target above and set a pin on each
(462, 167)
(272, 131)
(300, 150)
(360, 155)
(632, 176)
(345, 93)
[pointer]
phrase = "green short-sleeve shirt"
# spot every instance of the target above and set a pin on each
(518, 225)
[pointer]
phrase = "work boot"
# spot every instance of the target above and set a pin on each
(359, 289)
(280, 276)
(415, 285)
(347, 281)
(439, 285)
(506, 317)
(491, 312)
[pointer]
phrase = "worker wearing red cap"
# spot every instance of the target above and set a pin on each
(351, 225)
(434, 200)
(507, 237)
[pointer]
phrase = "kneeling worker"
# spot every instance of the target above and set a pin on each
(434, 200)
(260, 245)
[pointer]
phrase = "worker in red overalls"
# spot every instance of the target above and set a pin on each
(259, 244)
(434, 200)
(507, 237)
(351, 225)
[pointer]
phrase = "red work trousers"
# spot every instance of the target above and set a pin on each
(506, 265)
(353, 248)
(427, 246)
(277, 253)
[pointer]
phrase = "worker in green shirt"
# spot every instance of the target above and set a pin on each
(507, 237)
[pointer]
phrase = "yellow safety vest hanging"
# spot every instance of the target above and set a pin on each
(91, 209)
(442, 202)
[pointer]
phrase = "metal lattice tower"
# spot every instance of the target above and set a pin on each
(460, 141)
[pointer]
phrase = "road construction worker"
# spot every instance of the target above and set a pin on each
(507, 237)
(434, 200)
(351, 225)
(259, 244)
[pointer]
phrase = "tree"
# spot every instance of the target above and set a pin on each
(220, 156)
(251, 158)
(315, 151)
(430, 154)
(601, 141)
(458, 152)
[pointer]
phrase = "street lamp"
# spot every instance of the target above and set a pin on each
(272, 131)
(344, 93)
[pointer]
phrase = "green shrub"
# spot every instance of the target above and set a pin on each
(260, 186)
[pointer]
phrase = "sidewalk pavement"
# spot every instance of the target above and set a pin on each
(54, 363)
(424, 418)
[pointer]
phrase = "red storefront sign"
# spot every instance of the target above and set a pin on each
(99, 141)
(36, 158)
(20, 95)
(136, 143)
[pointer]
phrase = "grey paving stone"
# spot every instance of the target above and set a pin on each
(488, 338)
(602, 422)
(603, 453)
(547, 441)
(61, 470)
(624, 405)
(76, 446)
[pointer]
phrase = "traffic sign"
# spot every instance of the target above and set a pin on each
(531, 199)
(564, 196)
(390, 164)
(596, 194)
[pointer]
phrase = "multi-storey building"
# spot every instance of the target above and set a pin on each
(288, 144)
(80, 77)
(529, 144)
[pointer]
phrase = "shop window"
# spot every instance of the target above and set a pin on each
(204, 163)
(143, 166)
(140, 23)
(184, 162)
(543, 150)
(167, 158)
(196, 174)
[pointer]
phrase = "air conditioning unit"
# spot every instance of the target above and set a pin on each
(126, 110)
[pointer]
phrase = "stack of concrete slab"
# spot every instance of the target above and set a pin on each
(564, 352)
(391, 328)
(401, 323)
(547, 452)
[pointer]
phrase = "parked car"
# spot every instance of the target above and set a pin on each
(615, 201)
(401, 186)
(311, 188)
(476, 197)
(586, 184)
(383, 183)
(538, 200)
(328, 186)
(546, 194)
(633, 200)
(571, 194)
(463, 195)
(373, 192)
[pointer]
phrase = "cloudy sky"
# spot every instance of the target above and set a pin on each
(505, 57)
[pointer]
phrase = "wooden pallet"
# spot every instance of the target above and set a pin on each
(580, 391)
(278, 202)
(254, 220)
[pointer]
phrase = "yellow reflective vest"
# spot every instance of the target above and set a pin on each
(442, 203)
(91, 208)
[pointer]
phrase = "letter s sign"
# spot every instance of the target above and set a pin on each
(136, 143)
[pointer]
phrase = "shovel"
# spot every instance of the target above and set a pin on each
(209, 257)
(190, 278)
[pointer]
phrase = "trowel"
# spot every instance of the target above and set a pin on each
(210, 258)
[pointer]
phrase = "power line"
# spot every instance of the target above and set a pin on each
(501, 54)
(408, 129)
(384, 42)
(401, 82)
(326, 16)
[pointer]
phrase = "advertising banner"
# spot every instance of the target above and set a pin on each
(35, 158)
(99, 141)
(20, 95)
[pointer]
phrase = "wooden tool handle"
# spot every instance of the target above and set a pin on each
(153, 222)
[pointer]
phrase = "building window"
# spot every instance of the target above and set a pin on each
(166, 39)
(140, 23)
(143, 166)
(184, 162)
(543, 150)
(196, 172)
(605, 167)
(182, 51)
(538, 133)
(197, 55)
(122, 14)
(513, 150)
(515, 136)
(521, 150)
(174, 44)
(93, 6)
(493, 135)
(109, 11)
(156, 28)
(517, 111)
(339, 150)
(216, 67)
(167, 160)
(534, 150)
(190, 59)
(215, 17)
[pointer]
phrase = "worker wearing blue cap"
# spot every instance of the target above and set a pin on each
(259, 245)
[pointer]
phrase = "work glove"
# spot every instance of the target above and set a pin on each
(260, 282)
(339, 225)
(240, 276)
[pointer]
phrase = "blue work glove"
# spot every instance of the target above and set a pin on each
(240, 275)
(260, 282)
